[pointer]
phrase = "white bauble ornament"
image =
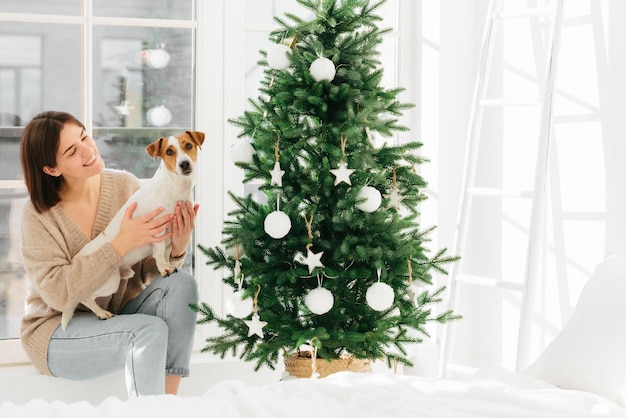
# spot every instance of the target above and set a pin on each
(238, 306)
(242, 152)
(372, 197)
(319, 300)
(159, 116)
(277, 224)
(322, 69)
(157, 58)
(379, 296)
(277, 57)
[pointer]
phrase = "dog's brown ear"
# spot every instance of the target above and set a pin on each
(154, 149)
(196, 136)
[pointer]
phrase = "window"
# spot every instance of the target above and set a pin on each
(126, 69)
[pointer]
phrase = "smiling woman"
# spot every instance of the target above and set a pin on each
(72, 200)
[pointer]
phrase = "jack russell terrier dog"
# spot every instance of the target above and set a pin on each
(172, 182)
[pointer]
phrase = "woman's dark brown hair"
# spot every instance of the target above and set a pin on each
(38, 149)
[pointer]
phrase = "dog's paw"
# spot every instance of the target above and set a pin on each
(169, 269)
(105, 315)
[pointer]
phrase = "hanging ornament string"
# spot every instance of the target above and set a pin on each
(277, 173)
(393, 196)
(312, 259)
(314, 373)
(255, 325)
(320, 279)
(342, 172)
(309, 227)
(255, 301)
(237, 269)
(276, 148)
(240, 283)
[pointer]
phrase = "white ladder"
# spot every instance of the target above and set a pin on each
(495, 17)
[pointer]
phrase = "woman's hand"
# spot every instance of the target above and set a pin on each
(182, 226)
(136, 232)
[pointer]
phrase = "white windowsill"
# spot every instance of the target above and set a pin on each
(21, 383)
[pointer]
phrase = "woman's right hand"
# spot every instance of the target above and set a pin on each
(145, 229)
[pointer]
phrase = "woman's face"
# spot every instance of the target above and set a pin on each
(77, 156)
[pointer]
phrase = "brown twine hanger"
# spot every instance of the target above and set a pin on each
(309, 227)
(276, 146)
(255, 307)
(343, 140)
(313, 357)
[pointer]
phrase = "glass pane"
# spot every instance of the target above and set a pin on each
(52, 7)
(10, 168)
(24, 91)
(12, 279)
(152, 9)
(124, 149)
(262, 12)
(143, 77)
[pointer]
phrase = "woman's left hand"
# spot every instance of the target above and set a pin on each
(182, 226)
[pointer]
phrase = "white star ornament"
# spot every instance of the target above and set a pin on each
(394, 198)
(255, 326)
(313, 260)
(277, 175)
(342, 173)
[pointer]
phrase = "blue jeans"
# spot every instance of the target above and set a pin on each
(152, 337)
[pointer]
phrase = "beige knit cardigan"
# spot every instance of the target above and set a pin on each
(56, 282)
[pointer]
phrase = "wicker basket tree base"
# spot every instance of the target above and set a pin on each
(301, 365)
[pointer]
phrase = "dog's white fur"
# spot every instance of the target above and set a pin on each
(172, 182)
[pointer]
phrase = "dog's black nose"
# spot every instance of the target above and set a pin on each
(185, 166)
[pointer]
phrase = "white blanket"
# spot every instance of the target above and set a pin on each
(348, 395)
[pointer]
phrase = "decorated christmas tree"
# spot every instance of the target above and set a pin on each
(332, 257)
